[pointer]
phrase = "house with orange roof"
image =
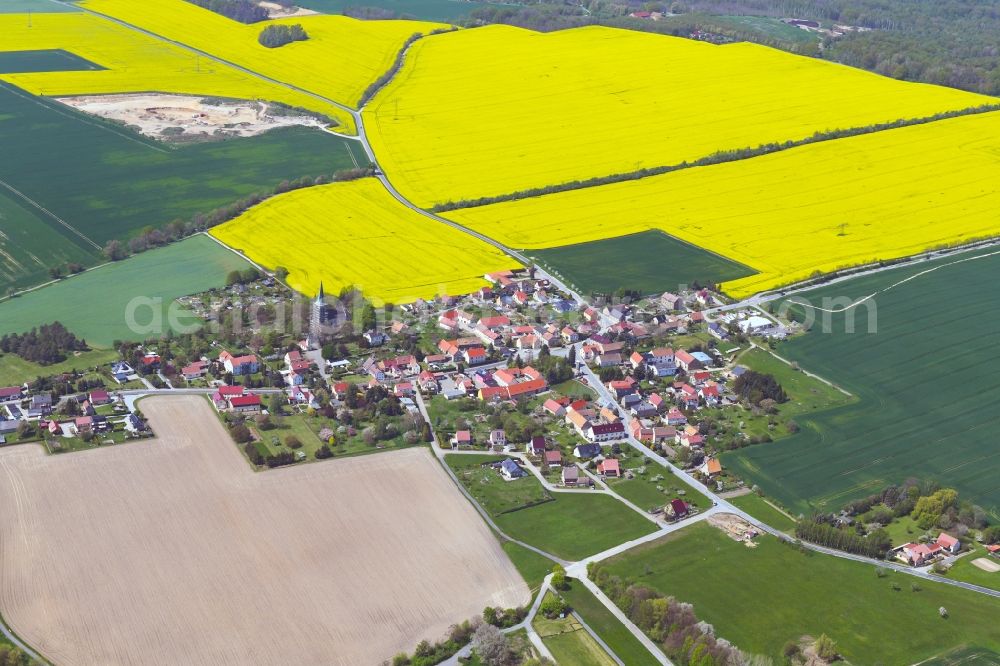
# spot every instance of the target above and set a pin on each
(609, 468)
(711, 467)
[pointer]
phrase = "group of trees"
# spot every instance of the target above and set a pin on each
(672, 624)
(754, 387)
(930, 506)
(244, 11)
(492, 647)
(13, 656)
(246, 276)
(279, 34)
(875, 544)
(46, 344)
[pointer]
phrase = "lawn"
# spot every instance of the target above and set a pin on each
(761, 597)
(965, 570)
(759, 508)
(14, 370)
(49, 60)
(492, 492)
(532, 566)
(306, 429)
(619, 639)
(575, 525)
(904, 530)
(643, 490)
(920, 375)
(96, 305)
(649, 262)
(107, 182)
(569, 642)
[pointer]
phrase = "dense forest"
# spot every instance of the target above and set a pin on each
(49, 343)
(948, 42)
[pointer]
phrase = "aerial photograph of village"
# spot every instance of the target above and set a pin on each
(499, 332)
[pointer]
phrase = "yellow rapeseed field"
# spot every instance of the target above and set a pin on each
(355, 233)
(134, 62)
(498, 109)
(819, 207)
(339, 60)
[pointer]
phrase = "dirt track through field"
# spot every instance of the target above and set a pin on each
(175, 552)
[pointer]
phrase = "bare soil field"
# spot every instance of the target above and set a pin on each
(184, 118)
(173, 551)
(986, 565)
(276, 11)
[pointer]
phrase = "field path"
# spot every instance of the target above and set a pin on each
(173, 551)
(48, 213)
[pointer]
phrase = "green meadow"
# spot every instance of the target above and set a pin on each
(95, 304)
(49, 60)
(760, 598)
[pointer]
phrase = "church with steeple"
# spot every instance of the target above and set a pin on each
(323, 316)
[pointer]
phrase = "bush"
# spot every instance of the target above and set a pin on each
(241, 433)
(553, 607)
(293, 442)
(323, 452)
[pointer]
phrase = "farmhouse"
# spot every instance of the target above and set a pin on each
(536, 446)
(195, 370)
(711, 467)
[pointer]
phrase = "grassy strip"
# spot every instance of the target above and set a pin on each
(719, 157)
(619, 639)
(875, 617)
(575, 525)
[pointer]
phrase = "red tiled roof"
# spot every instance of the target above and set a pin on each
(244, 400)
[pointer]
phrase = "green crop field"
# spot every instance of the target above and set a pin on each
(619, 639)
(649, 262)
(29, 246)
(442, 11)
(37, 6)
(575, 525)
(51, 60)
(106, 182)
(965, 656)
(924, 381)
(761, 597)
(94, 304)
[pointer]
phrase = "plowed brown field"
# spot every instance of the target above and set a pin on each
(175, 552)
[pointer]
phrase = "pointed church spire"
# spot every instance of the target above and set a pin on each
(319, 297)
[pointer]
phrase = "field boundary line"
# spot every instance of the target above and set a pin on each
(600, 641)
(79, 116)
(805, 372)
(894, 285)
(49, 213)
(728, 156)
